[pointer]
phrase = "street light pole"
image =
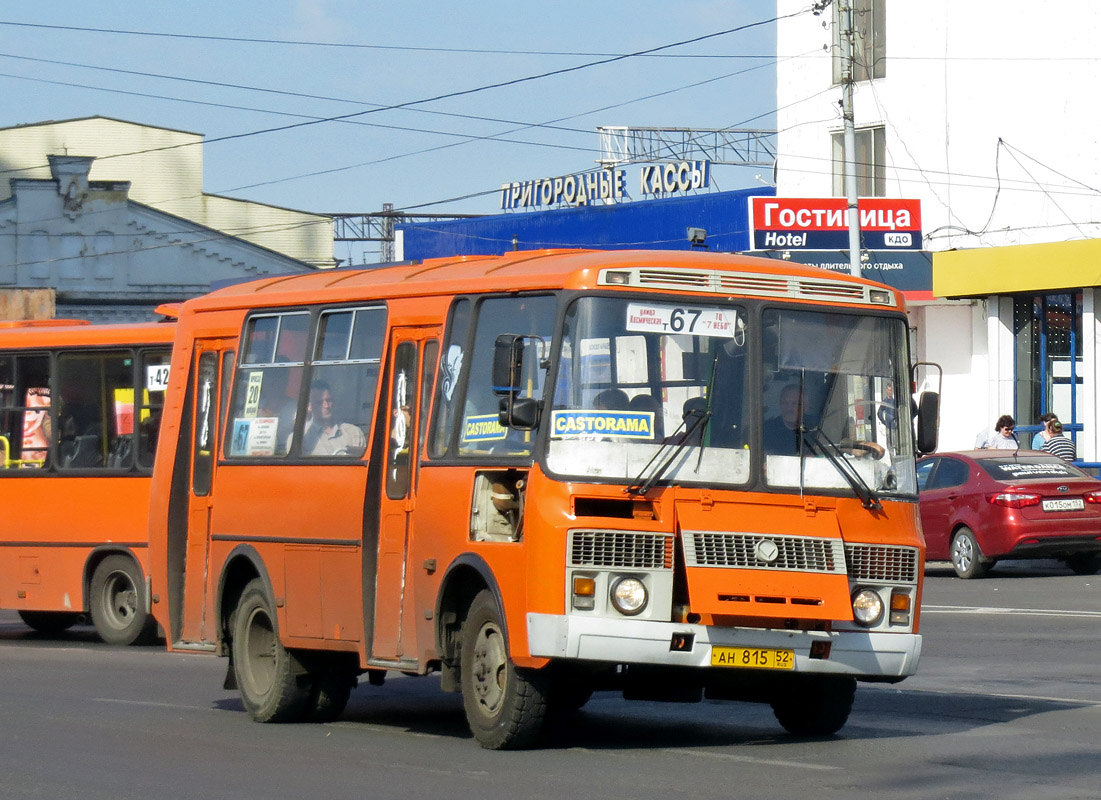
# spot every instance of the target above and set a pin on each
(848, 33)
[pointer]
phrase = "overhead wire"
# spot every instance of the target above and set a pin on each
(361, 46)
(478, 89)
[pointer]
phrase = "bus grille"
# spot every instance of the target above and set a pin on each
(621, 549)
(876, 562)
(744, 283)
(746, 551)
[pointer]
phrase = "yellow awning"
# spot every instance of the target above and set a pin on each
(1022, 268)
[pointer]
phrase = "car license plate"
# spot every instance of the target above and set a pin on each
(1070, 504)
(752, 657)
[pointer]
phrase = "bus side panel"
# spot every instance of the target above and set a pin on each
(51, 525)
(442, 534)
(306, 521)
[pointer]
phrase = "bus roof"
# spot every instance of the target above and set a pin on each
(524, 270)
(18, 336)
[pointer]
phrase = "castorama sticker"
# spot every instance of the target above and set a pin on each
(822, 223)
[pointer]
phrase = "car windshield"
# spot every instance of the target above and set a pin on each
(651, 390)
(1033, 468)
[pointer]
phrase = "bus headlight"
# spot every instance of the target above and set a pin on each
(867, 607)
(629, 596)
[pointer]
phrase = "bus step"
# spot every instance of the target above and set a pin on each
(198, 647)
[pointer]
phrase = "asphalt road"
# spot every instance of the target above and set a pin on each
(1006, 704)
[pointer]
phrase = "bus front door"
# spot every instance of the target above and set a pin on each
(213, 365)
(413, 354)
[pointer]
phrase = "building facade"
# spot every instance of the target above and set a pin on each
(717, 221)
(982, 115)
(112, 216)
(108, 258)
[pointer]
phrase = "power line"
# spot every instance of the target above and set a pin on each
(466, 92)
(359, 46)
(244, 87)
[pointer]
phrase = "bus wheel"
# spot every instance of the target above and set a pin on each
(270, 689)
(505, 705)
(568, 691)
(329, 694)
(49, 622)
(117, 600)
(815, 705)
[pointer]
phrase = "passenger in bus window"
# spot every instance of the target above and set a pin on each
(324, 435)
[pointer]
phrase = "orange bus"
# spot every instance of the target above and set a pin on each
(79, 409)
(676, 475)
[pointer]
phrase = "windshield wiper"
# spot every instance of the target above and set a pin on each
(702, 416)
(642, 485)
(817, 440)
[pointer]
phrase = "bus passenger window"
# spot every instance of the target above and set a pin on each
(269, 378)
(96, 410)
(153, 382)
(26, 423)
(343, 382)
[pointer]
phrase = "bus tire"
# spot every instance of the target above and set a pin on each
(505, 705)
(329, 695)
(815, 705)
(49, 622)
(117, 603)
(568, 691)
(270, 688)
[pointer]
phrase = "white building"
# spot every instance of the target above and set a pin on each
(984, 114)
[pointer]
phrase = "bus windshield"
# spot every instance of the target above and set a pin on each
(652, 390)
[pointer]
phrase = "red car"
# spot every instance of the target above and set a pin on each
(980, 506)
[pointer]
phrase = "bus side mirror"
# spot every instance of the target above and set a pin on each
(517, 412)
(521, 413)
(508, 361)
(928, 421)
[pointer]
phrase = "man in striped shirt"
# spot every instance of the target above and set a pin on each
(1058, 444)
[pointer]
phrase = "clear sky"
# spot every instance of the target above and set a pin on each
(342, 57)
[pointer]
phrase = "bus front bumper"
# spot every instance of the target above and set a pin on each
(861, 654)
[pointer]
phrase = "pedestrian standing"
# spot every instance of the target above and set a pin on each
(1003, 437)
(1059, 444)
(1044, 433)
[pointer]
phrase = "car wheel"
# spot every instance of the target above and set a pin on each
(1084, 563)
(967, 559)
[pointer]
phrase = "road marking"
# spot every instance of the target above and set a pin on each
(149, 703)
(770, 762)
(1023, 612)
(1004, 695)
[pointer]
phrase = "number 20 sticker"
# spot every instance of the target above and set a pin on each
(690, 320)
